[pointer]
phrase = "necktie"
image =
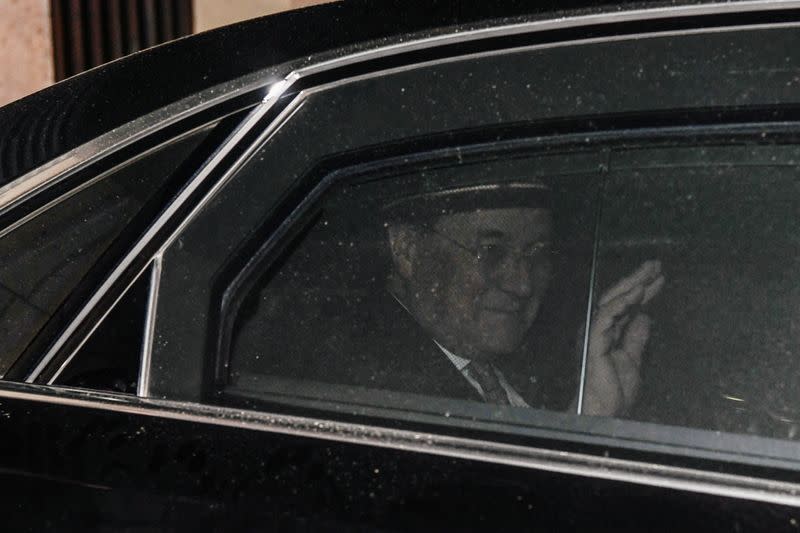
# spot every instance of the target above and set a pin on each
(493, 391)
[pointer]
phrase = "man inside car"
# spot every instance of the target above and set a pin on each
(462, 305)
(472, 266)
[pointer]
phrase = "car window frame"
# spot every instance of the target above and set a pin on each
(278, 233)
(44, 188)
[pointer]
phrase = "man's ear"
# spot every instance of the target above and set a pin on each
(403, 246)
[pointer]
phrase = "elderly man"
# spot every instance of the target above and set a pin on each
(472, 266)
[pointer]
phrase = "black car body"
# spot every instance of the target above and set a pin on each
(143, 203)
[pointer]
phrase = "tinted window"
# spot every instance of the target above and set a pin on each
(46, 257)
(110, 358)
(409, 283)
(724, 222)
(391, 290)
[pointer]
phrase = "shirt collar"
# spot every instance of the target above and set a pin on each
(460, 362)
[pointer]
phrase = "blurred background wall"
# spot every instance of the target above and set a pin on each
(44, 41)
(26, 48)
(214, 13)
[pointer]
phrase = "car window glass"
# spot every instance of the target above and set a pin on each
(403, 280)
(692, 250)
(707, 239)
(47, 256)
(110, 357)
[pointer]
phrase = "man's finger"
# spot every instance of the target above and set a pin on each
(619, 326)
(635, 338)
(607, 313)
(649, 270)
(605, 330)
(652, 290)
(627, 360)
(628, 377)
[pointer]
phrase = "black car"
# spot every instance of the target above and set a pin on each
(362, 267)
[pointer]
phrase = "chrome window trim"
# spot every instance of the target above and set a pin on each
(43, 177)
(193, 184)
(305, 93)
(552, 460)
(273, 95)
(557, 24)
(91, 181)
(143, 385)
(572, 463)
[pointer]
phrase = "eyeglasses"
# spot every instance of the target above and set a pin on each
(494, 254)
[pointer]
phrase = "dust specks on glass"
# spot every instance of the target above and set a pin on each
(723, 352)
(45, 258)
(472, 282)
(454, 282)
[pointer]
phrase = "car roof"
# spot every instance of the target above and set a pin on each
(61, 117)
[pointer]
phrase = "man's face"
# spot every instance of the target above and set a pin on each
(476, 280)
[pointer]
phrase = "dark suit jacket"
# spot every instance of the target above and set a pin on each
(381, 346)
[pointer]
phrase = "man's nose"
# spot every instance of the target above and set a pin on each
(515, 275)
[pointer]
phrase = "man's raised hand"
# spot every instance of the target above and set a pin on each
(617, 336)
